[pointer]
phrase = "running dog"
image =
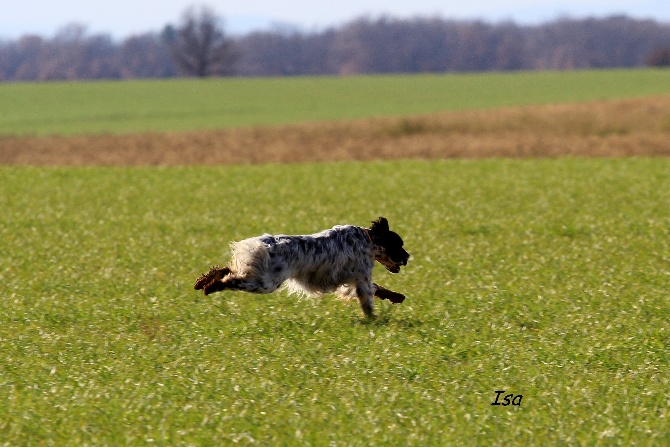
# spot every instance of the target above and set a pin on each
(339, 260)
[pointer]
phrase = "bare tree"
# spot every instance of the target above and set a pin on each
(660, 57)
(144, 56)
(199, 46)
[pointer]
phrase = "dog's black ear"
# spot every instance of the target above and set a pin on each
(380, 225)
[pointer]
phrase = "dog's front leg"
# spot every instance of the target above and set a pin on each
(386, 294)
(365, 295)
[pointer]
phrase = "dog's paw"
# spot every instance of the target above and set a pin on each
(215, 274)
(397, 298)
(201, 281)
(386, 294)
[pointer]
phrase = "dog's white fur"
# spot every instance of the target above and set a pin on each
(339, 260)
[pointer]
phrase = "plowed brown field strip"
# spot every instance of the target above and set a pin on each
(631, 127)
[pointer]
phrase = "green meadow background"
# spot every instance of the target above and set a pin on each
(544, 278)
(71, 108)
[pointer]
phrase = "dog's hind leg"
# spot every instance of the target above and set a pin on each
(243, 284)
(214, 274)
(386, 294)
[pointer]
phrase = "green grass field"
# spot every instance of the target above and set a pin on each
(544, 278)
(177, 105)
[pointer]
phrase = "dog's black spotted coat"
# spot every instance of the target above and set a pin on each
(339, 260)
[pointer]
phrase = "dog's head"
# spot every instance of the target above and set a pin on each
(387, 246)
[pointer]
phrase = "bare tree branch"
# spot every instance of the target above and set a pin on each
(200, 47)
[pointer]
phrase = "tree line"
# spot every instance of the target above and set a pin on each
(198, 46)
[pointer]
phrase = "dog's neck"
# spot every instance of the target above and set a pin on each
(367, 233)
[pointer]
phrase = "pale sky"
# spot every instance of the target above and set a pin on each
(122, 18)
